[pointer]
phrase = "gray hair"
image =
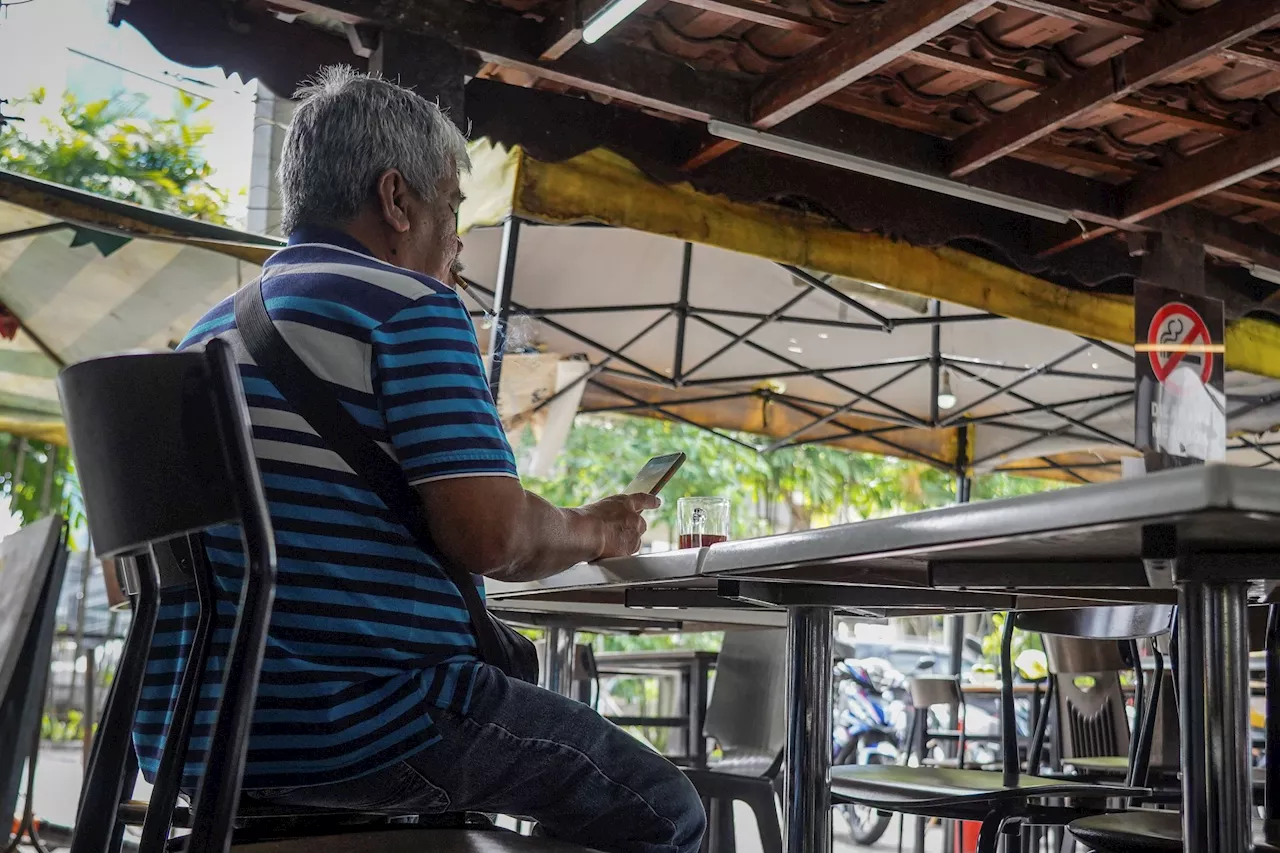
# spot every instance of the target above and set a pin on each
(349, 128)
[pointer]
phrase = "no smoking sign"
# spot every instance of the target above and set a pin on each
(1181, 414)
(1176, 331)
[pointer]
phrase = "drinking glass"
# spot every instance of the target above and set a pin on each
(702, 521)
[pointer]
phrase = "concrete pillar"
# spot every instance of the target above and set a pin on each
(271, 116)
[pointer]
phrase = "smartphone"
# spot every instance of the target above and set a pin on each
(654, 475)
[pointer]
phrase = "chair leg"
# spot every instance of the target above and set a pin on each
(728, 835)
(765, 808)
(990, 833)
(921, 823)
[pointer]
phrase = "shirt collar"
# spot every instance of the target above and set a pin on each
(331, 236)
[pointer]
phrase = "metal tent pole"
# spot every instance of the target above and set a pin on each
(502, 302)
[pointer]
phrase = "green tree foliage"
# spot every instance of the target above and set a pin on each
(37, 479)
(820, 485)
(112, 148)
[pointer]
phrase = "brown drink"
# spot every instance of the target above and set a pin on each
(702, 521)
(700, 540)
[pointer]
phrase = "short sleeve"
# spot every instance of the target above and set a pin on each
(431, 386)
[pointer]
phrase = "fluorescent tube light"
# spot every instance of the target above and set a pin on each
(852, 163)
(607, 18)
(1265, 273)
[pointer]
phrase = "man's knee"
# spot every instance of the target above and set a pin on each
(683, 807)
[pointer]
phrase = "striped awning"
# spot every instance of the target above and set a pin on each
(85, 276)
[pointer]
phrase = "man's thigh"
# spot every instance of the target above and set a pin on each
(526, 751)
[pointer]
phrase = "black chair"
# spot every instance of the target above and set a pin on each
(164, 450)
(1151, 831)
(746, 716)
(34, 561)
(1008, 798)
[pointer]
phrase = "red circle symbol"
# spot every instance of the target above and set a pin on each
(1178, 324)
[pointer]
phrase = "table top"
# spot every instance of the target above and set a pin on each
(1051, 544)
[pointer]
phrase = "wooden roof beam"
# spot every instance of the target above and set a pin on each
(945, 60)
(873, 41)
(1163, 53)
(1224, 164)
(668, 85)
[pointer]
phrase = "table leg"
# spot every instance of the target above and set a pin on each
(1213, 682)
(557, 668)
(807, 783)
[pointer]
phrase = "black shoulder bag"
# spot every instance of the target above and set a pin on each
(499, 644)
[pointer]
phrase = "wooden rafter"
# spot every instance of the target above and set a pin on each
(873, 41)
(1202, 35)
(948, 61)
(671, 86)
(1219, 167)
(1078, 13)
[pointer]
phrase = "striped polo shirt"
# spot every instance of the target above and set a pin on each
(367, 632)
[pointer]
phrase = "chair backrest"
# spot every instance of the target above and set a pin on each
(929, 690)
(1120, 622)
(746, 713)
(1090, 699)
(163, 448)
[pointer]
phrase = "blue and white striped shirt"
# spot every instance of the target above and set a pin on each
(367, 632)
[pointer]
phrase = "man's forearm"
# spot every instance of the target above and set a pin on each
(550, 540)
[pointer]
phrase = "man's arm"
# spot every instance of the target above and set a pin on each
(433, 389)
(491, 526)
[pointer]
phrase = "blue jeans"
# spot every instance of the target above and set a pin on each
(528, 752)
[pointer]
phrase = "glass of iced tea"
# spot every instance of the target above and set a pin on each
(702, 521)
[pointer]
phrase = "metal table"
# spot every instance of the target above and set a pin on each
(1206, 532)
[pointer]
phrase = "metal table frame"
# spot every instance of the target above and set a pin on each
(1207, 531)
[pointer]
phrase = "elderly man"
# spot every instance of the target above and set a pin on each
(372, 694)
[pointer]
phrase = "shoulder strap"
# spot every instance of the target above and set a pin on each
(320, 407)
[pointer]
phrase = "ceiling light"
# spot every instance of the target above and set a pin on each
(946, 399)
(852, 163)
(1265, 273)
(607, 18)
(822, 336)
(795, 349)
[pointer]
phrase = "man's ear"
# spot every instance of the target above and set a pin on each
(393, 194)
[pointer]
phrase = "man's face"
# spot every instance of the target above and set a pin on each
(431, 244)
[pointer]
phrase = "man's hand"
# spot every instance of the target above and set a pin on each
(621, 522)
(491, 526)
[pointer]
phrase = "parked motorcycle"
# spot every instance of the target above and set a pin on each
(869, 727)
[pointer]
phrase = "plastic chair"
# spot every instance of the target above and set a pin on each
(746, 716)
(1008, 797)
(927, 692)
(163, 447)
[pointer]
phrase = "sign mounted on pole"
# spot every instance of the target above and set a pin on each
(1180, 368)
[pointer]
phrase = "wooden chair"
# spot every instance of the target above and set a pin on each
(163, 447)
(1009, 797)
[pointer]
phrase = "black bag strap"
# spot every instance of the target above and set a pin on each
(311, 397)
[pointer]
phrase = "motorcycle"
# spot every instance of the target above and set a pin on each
(869, 727)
